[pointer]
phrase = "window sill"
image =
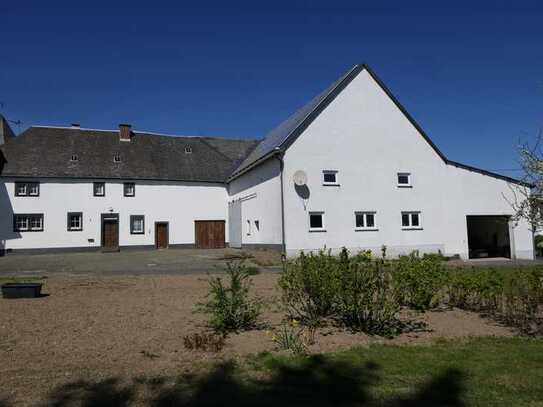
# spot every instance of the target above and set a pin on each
(317, 230)
(325, 184)
(366, 229)
(404, 186)
(75, 230)
(137, 233)
(412, 228)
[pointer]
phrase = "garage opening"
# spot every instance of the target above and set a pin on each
(488, 236)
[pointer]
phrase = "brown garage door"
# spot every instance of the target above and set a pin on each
(209, 234)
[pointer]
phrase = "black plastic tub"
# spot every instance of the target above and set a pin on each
(21, 290)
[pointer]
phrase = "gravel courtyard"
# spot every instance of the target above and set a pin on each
(95, 327)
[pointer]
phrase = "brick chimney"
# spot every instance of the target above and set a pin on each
(125, 132)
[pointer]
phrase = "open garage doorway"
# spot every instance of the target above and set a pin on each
(488, 236)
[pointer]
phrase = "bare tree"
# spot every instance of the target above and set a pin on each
(527, 196)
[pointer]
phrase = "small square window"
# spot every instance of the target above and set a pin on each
(329, 177)
(74, 157)
(365, 221)
(404, 179)
(75, 221)
(137, 224)
(129, 189)
(99, 189)
(316, 221)
(20, 189)
(411, 220)
(36, 222)
(117, 158)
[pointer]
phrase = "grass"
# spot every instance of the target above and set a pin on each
(476, 372)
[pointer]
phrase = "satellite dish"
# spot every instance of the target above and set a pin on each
(300, 178)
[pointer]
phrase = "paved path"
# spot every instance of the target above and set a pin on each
(146, 262)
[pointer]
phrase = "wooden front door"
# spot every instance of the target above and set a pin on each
(161, 235)
(110, 232)
(209, 234)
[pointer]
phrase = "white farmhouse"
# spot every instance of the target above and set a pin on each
(349, 169)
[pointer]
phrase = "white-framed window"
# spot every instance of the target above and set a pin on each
(411, 220)
(129, 189)
(75, 221)
(99, 189)
(316, 222)
(365, 220)
(27, 189)
(404, 180)
(248, 227)
(330, 177)
(33, 189)
(28, 222)
(137, 224)
(117, 158)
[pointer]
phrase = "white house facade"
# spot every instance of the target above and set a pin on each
(349, 169)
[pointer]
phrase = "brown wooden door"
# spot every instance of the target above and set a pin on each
(161, 235)
(209, 234)
(111, 234)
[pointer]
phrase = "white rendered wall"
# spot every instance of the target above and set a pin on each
(260, 193)
(180, 204)
(366, 138)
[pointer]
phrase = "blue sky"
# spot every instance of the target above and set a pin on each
(471, 75)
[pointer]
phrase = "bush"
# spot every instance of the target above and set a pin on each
(230, 307)
(366, 299)
(309, 286)
(208, 342)
(419, 280)
(354, 291)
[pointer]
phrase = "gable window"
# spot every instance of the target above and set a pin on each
(27, 189)
(316, 222)
(404, 180)
(329, 177)
(365, 221)
(99, 189)
(411, 220)
(75, 221)
(129, 189)
(28, 222)
(137, 224)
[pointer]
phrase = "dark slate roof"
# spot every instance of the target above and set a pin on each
(46, 152)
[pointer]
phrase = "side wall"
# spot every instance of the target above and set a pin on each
(365, 137)
(180, 204)
(259, 191)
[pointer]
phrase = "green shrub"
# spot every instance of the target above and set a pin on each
(230, 307)
(419, 280)
(355, 291)
(366, 298)
(309, 286)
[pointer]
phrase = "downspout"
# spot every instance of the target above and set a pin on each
(283, 244)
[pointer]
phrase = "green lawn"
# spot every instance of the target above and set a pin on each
(478, 372)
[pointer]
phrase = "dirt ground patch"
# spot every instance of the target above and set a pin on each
(96, 327)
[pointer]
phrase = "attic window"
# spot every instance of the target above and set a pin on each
(74, 157)
(117, 158)
(188, 150)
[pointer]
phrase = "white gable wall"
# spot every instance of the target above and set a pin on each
(179, 203)
(367, 139)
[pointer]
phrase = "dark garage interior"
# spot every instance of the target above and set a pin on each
(488, 236)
